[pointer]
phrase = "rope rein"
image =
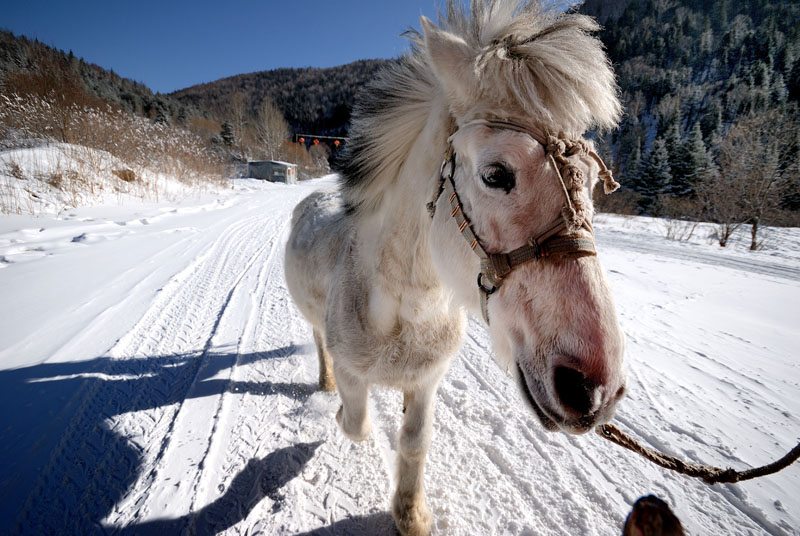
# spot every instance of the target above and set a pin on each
(708, 474)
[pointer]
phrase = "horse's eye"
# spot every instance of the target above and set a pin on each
(498, 176)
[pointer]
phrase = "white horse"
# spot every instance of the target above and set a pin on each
(381, 268)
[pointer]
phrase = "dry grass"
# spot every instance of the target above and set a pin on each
(99, 140)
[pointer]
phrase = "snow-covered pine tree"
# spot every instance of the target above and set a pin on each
(680, 168)
(698, 160)
(656, 177)
(711, 121)
(632, 172)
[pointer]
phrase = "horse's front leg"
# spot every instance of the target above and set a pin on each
(352, 416)
(410, 511)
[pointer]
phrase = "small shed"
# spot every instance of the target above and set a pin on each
(273, 171)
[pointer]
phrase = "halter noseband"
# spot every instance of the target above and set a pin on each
(561, 239)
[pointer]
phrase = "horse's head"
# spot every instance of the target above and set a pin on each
(519, 190)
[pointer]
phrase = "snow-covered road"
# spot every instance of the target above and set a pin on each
(155, 378)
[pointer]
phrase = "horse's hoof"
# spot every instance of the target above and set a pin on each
(411, 515)
(353, 433)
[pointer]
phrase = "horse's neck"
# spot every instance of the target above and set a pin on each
(393, 240)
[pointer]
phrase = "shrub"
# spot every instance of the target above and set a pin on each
(625, 202)
(97, 135)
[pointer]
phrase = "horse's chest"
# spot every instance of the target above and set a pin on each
(403, 353)
(413, 352)
(385, 328)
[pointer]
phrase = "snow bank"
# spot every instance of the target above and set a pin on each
(53, 177)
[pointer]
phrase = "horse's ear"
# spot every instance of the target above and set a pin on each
(452, 59)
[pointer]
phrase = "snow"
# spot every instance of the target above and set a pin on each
(51, 178)
(155, 378)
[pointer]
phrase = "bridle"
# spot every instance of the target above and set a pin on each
(561, 240)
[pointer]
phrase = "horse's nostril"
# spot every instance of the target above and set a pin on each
(574, 390)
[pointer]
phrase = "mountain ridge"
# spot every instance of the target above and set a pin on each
(312, 99)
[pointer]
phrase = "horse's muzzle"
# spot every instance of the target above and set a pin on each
(579, 404)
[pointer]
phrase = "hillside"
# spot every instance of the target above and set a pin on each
(313, 100)
(710, 89)
(695, 77)
(99, 135)
(31, 66)
(690, 71)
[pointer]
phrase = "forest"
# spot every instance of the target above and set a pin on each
(711, 92)
(21, 57)
(318, 101)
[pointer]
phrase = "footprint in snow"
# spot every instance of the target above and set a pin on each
(458, 384)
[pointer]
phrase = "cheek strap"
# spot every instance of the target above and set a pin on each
(555, 243)
(563, 239)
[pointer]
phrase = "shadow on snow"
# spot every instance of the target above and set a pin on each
(64, 468)
(380, 523)
(259, 479)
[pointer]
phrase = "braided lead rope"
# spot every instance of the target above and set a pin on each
(709, 475)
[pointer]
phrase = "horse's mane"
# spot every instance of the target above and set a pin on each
(530, 62)
(391, 112)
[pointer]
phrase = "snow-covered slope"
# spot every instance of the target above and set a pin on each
(155, 378)
(50, 178)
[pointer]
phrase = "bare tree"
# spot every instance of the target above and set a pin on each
(319, 154)
(750, 163)
(721, 204)
(271, 127)
(239, 113)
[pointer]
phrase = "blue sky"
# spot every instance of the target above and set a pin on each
(172, 45)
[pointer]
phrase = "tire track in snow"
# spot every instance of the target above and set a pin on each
(93, 418)
(81, 397)
(686, 252)
(237, 440)
(94, 438)
(340, 480)
(219, 429)
(178, 325)
(197, 415)
(203, 319)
